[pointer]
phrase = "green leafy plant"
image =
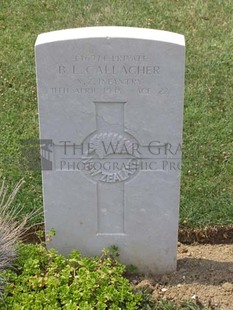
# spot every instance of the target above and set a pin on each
(47, 280)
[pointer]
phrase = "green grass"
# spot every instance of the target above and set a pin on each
(206, 189)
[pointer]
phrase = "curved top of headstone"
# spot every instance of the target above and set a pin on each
(110, 32)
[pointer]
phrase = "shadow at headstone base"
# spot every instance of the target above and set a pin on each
(202, 271)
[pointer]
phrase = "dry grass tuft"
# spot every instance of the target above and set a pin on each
(11, 228)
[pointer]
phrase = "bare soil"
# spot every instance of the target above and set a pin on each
(212, 235)
(204, 270)
(204, 275)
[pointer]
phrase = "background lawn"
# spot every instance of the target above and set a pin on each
(206, 189)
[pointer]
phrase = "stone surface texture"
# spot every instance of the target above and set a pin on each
(110, 107)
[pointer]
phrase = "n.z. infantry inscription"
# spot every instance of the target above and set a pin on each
(90, 78)
(111, 101)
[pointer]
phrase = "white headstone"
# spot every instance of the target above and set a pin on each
(110, 107)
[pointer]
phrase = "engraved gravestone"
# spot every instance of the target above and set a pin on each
(110, 108)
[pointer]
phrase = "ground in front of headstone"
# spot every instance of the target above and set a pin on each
(204, 276)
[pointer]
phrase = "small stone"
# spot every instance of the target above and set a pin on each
(194, 297)
(184, 250)
(227, 286)
(182, 270)
(146, 284)
(165, 279)
(164, 290)
(155, 295)
(179, 285)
